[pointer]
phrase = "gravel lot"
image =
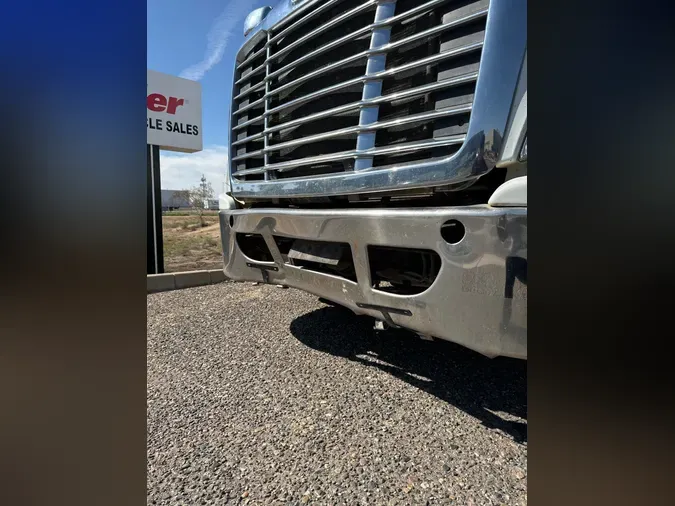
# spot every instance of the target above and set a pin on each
(259, 395)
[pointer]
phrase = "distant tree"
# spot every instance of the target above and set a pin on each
(198, 197)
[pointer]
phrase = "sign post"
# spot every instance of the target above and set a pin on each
(174, 123)
(154, 199)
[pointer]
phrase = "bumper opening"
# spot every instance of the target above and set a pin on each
(402, 271)
(254, 247)
(319, 256)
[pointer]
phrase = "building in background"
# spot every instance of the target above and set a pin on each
(211, 204)
(493, 140)
(174, 199)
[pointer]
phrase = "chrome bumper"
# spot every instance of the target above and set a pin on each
(478, 300)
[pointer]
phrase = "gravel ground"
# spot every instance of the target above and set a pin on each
(259, 395)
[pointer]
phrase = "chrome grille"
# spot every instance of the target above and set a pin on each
(352, 85)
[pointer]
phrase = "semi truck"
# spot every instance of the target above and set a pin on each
(378, 159)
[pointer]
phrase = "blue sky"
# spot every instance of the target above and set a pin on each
(198, 39)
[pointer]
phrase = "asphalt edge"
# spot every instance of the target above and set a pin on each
(179, 280)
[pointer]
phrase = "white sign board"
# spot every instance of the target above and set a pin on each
(174, 120)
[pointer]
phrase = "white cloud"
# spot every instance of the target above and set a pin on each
(218, 37)
(181, 171)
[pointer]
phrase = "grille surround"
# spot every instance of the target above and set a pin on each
(263, 148)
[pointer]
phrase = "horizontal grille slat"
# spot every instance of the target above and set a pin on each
(365, 128)
(302, 21)
(312, 14)
(299, 101)
(481, 10)
(402, 148)
(334, 22)
(396, 96)
(370, 4)
(412, 65)
(312, 54)
(471, 16)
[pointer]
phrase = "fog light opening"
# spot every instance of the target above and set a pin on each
(452, 231)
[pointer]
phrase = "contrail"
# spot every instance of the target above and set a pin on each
(218, 37)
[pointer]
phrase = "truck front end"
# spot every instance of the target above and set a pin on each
(379, 160)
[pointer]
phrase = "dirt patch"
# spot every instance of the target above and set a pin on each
(207, 230)
(188, 246)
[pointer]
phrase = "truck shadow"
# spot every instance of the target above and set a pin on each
(482, 387)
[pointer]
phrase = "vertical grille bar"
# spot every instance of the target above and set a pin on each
(373, 88)
(268, 174)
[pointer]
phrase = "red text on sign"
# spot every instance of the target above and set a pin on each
(159, 103)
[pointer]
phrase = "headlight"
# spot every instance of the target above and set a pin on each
(523, 151)
(255, 18)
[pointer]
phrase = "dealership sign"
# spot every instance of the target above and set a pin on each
(174, 113)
